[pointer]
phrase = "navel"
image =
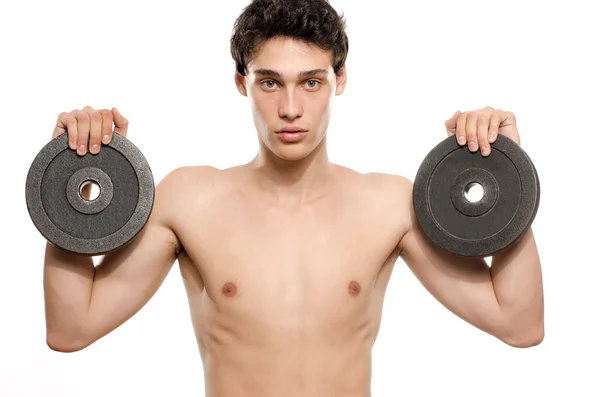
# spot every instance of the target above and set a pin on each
(354, 288)
(229, 289)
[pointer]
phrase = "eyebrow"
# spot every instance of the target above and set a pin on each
(307, 73)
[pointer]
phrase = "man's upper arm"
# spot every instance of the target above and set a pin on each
(462, 285)
(127, 278)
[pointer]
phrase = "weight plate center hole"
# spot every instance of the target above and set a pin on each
(474, 192)
(89, 190)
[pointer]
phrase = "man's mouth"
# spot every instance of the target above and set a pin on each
(291, 135)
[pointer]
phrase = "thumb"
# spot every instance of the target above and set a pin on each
(121, 123)
(451, 122)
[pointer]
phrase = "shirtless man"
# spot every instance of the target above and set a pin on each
(286, 259)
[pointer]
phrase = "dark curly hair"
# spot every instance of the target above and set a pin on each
(312, 21)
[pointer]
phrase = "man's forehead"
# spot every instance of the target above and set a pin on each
(286, 57)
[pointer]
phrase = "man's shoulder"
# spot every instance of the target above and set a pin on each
(186, 175)
(188, 189)
(386, 198)
(184, 181)
(387, 192)
(199, 181)
(394, 185)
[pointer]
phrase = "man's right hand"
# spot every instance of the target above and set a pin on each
(89, 128)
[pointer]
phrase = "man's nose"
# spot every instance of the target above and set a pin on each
(290, 106)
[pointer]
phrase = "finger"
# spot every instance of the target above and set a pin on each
(66, 123)
(121, 123)
(61, 125)
(461, 135)
(95, 129)
(83, 132)
(74, 132)
(483, 126)
(507, 118)
(494, 124)
(107, 126)
(451, 123)
(471, 129)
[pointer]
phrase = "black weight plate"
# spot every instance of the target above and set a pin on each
(97, 226)
(506, 210)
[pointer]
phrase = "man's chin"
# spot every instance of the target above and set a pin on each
(291, 152)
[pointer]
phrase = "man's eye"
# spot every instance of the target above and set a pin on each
(314, 85)
(269, 84)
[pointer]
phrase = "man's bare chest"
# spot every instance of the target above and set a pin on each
(292, 261)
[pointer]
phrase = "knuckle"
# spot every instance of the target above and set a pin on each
(95, 116)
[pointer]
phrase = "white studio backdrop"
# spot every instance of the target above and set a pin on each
(167, 67)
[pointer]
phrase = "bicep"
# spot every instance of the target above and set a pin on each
(463, 285)
(126, 279)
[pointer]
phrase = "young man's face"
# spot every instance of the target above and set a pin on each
(282, 95)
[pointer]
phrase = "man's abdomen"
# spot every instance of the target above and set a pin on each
(288, 368)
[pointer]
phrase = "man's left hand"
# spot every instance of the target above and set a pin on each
(480, 128)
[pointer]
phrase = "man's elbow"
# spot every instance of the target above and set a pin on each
(525, 338)
(65, 345)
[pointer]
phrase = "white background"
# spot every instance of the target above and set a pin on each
(167, 67)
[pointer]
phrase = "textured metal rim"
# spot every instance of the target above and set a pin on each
(90, 246)
(521, 221)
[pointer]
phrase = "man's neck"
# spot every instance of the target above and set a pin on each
(293, 182)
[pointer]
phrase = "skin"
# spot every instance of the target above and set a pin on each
(286, 259)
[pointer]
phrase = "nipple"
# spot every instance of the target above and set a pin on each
(229, 289)
(354, 288)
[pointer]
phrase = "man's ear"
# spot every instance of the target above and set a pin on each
(240, 83)
(341, 81)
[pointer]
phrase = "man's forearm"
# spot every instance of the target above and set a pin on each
(517, 279)
(68, 280)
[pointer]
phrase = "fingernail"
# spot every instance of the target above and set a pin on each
(73, 145)
(94, 148)
(81, 150)
(472, 146)
(485, 150)
(461, 140)
(105, 139)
